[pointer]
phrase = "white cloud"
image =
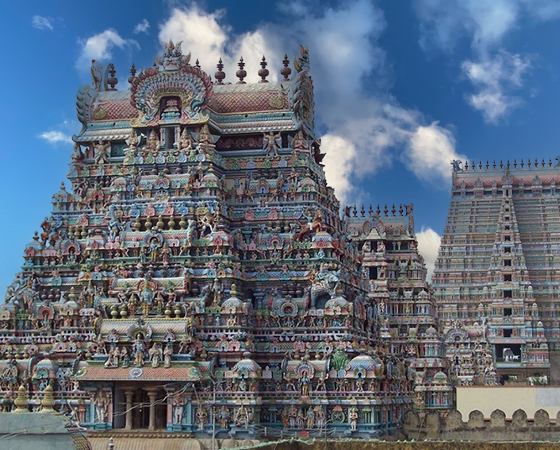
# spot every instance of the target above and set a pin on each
(55, 137)
(429, 154)
(493, 71)
(444, 22)
(428, 246)
(363, 127)
(99, 47)
(42, 23)
(492, 80)
(142, 27)
(207, 39)
(339, 155)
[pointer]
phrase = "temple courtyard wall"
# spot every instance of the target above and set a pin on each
(508, 399)
(321, 444)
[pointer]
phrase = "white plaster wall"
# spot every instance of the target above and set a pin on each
(508, 398)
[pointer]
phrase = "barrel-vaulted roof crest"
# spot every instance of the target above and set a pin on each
(177, 78)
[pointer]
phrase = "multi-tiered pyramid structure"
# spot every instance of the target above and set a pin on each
(197, 277)
(496, 279)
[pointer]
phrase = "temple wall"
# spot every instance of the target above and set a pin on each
(555, 367)
(486, 399)
(319, 444)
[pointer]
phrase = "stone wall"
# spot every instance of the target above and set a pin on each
(451, 426)
(508, 399)
(384, 445)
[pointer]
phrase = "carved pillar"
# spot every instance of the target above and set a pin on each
(128, 417)
(152, 418)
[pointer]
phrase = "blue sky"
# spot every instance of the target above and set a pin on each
(401, 88)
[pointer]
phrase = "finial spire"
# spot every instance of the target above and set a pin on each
(47, 401)
(263, 71)
(286, 71)
(112, 80)
(132, 73)
(241, 73)
(220, 75)
(21, 401)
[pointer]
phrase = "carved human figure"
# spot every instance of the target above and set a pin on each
(304, 384)
(101, 152)
(178, 409)
(292, 416)
(223, 417)
(101, 404)
(191, 232)
(167, 354)
(353, 418)
(152, 144)
(139, 349)
(310, 418)
(186, 142)
(243, 417)
(113, 359)
(271, 143)
(155, 354)
(299, 143)
(125, 357)
(201, 417)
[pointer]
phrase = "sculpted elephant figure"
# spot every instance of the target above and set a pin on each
(325, 283)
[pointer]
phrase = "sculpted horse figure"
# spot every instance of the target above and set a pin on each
(325, 283)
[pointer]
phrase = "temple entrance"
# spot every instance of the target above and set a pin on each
(140, 408)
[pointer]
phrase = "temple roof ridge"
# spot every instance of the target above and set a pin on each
(506, 166)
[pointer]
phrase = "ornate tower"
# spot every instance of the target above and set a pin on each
(496, 275)
(403, 299)
(197, 278)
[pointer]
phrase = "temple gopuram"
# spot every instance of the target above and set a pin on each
(407, 312)
(496, 279)
(198, 277)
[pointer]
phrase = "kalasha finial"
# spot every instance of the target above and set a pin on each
(21, 401)
(263, 72)
(112, 80)
(197, 64)
(286, 71)
(132, 73)
(220, 75)
(47, 402)
(241, 73)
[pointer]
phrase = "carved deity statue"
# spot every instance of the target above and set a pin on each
(139, 350)
(178, 409)
(167, 355)
(271, 143)
(155, 354)
(186, 142)
(101, 152)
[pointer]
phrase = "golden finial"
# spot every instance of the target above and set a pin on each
(47, 401)
(233, 291)
(21, 401)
